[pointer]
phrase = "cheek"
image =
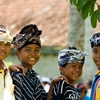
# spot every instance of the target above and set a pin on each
(8, 50)
(38, 55)
(66, 71)
(94, 57)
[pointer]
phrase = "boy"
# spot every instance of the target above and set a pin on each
(95, 45)
(6, 86)
(27, 46)
(70, 61)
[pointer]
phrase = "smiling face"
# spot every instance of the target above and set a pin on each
(96, 55)
(29, 55)
(72, 71)
(4, 50)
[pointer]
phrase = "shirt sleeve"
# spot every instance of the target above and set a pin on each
(17, 81)
(40, 92)
(54, 93)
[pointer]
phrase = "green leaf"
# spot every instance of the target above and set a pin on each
(98, 7)
(80, 5)
(99, 15)
(91, 8)
(94, 18)
(73, 2)
(85, 10)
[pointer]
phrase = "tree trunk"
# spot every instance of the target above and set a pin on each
(89, 66)
(76, 29)
(79, 34)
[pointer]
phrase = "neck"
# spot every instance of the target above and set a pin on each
(1, 65)
(27, 66)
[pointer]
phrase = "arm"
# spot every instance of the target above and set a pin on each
(17, 81)
(16, 68)
(52, 84)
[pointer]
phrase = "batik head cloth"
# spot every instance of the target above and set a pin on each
(70, 55)
(95, 40)
(5, 34)
(28, 35)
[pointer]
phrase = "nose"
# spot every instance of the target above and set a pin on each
(98, 55)
(78, 68)
(32, 52)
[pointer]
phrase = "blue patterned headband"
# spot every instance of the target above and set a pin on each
(28, 35)
(95, 40)
(70, 55)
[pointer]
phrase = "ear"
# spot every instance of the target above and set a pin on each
(17, 53)
(61, 70)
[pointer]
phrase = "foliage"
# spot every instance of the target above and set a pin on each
(88, 8)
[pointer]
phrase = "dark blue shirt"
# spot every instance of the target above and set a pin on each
(28, 87)
(64, 91)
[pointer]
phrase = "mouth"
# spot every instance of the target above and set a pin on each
(97, 61)
(33, 59)
(76, 75)
(2, 53)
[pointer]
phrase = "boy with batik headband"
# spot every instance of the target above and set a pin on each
(70, 61)
(6, 86)
(27, 46)
(95, 45)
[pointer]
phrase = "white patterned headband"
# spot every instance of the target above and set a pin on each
(95, 40)
(70, 56)
(5, 36)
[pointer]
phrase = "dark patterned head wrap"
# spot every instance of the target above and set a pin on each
(70, 55)
(28, 35)
(95, 40)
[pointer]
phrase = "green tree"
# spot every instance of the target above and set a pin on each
(88, 8)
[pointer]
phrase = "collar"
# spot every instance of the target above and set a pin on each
(98, 72)
(31, 72)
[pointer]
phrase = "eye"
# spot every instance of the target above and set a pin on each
(28, 50)
(80, 67)
(37, 50)
(95, 51)
(8, 44)
(73, 66)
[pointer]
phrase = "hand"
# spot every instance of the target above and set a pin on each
(16, 68)
(59, 78)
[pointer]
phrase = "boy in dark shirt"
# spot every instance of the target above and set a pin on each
(70, 61)
(27, 46)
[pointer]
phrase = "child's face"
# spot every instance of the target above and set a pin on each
(4, 50)
(96, 55)
(72, 71)
(29, 55)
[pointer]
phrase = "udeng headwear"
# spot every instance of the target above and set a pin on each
(28, 35)
(95, 40)
(5, 34)
(70, 55)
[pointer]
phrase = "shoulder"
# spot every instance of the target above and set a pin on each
(17, 74)
(61, 85)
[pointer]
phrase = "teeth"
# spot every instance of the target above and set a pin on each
(32, 58)
(98, 61)
(76, 74)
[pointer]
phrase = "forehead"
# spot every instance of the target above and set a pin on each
(2, 42)
(74, 64)
(32, 46)
(96, 48)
